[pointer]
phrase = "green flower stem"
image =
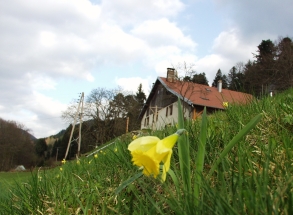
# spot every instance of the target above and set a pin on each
(183, 151)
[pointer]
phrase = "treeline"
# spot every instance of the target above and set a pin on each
(107, 113)
(16, 146)
(271, 70)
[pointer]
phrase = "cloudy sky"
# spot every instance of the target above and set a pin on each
(52, 50)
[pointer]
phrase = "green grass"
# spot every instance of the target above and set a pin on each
(234, 162)
(8, 179)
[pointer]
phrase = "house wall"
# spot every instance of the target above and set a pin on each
(158, 114)
(165, 116)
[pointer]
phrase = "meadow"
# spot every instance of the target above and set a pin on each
(238, 161)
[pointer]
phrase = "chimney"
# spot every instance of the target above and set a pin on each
(171, 75)
(220, 86)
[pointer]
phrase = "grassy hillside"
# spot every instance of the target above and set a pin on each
(233, 162)
(9, 179)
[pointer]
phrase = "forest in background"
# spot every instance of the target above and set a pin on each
(271, 70)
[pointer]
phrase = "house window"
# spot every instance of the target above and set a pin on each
(171, 109)
(166, 111)
(157, 116)
(146, 121)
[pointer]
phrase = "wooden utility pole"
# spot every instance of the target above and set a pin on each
(57, 153)
(78, 113)
(80, 122)
(127, 123)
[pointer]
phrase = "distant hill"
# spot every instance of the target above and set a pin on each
(32, 137)
(51, 139)
(60, 134)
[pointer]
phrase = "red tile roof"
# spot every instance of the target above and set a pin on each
(203, 95)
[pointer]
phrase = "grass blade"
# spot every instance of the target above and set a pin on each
(200, 156)
(234, 141)
(127, 182)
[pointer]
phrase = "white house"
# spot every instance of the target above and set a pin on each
(161, 107)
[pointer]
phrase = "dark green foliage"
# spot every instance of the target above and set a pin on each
(41, 147)
(223, 78)
(272, 70)
(235, 79)
(140, 96)
(266, 52)
(199, 78)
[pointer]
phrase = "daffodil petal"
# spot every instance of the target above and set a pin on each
(154, 155)
(166, 160)
(167, 143)
(143, 143)
(149, 164)
(164, 174)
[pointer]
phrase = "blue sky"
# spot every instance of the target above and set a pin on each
(50, 51)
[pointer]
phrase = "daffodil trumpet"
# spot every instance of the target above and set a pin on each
(149, 151)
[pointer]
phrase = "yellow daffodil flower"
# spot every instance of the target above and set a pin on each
(63, 161)
(61, 169)
(134, 137)
(225, 104)
(96, 156)
(149, 151)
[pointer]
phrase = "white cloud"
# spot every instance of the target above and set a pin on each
(45, 105)
(175, 61)
(228, 49)
(43, 42)
(129, 12)
(112, 44)
(39, 113)
(163, 33)
(131, 84)
(70, 38)
(43, 114)
(47, 36)
(42, 82)
(229, 44)
(210, 65)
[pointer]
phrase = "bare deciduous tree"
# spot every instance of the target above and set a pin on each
(16, 145)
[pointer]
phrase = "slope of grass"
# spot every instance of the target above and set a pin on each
(8, 179)
(252, 175)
